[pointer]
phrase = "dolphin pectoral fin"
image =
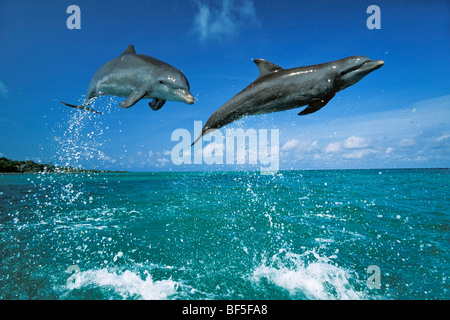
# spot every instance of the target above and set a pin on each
(156, 104)
(316, 104)
(134, 97)
(82, 107)
(312, 107)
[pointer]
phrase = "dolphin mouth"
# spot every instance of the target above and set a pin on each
(186, 97)
(371, 65)
(190, 99)
(363, 69)
(352, 75)
(183, 95)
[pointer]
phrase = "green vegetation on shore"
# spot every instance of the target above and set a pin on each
(29, 166)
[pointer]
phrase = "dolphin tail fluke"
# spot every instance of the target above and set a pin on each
(82, 107)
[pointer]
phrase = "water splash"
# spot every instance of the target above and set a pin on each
(126, 284)
(79, 139)
(79, 144)
(308, 276)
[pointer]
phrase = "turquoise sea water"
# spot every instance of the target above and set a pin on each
(225, 235)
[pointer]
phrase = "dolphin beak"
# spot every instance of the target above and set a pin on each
(185, 96)
(372, 65)
(189, 99)
(353, 75)
(378, 63)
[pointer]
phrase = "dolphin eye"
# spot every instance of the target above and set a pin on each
(166, 83)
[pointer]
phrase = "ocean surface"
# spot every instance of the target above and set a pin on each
(226, 235)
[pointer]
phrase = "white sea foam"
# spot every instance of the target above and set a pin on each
(128, 284)
(307, 275)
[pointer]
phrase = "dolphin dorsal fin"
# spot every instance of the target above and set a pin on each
(265, 67)
(129, 50)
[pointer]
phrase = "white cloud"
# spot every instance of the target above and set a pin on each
(291, 144)
(445, 136)
(407, 142)
(161, 162)
(104, 157)
(4, 91)
(300, 147)
(333, 147)
(358, 154)
(354, 142)
(225, 19)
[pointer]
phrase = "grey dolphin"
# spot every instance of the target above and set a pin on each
(137, 76)
(277, 89)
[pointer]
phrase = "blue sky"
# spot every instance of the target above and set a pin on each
(396, 117)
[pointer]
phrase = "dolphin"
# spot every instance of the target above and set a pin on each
(137, 76)
(277, 89)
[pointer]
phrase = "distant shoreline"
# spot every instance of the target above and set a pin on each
(215, 171)
(64, 172)
(8, 166)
